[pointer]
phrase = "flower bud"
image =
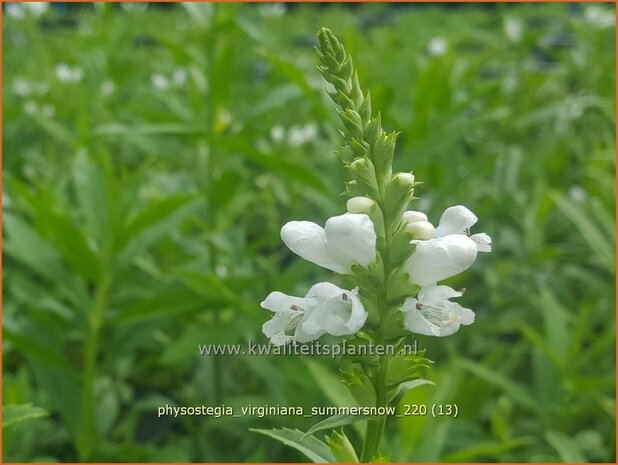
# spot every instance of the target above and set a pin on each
(341, 447)
(421, 230)
(405, 179)
(360, 205)
(359, 164)
(412, 215)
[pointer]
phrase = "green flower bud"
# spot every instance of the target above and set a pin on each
(421, 230)
(341, 447)
(360, 205)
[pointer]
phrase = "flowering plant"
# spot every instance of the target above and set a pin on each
(392, 258)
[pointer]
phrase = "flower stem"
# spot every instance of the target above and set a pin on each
(88, 429)
(375, 427)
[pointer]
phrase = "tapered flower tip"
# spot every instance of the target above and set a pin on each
(412, 215)
(352, 237)
(483, 242)
(308, 240)
(455, 220)
(441, 258)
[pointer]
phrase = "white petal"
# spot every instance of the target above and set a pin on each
(432, 294)
(483, 242)
(465, 314)
(455, 220)
(438, 259)
(414, 321)
(308, 240)
(324, 290)
(412, 215)
(279, 302)
(352, 237)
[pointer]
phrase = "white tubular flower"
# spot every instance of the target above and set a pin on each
(459, 220)
(326, 309)
(441, 258)
(433, 314)
(337, 312)
(345, 240)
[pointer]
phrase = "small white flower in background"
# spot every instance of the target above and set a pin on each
(344, 241)
(298, 135)
(159, 81)
(272, 10)
(437, 46)
(458, 220)
(22, 9)
(600, 17)
(179, 77)
(433, 314)
(577, 193)
(326, 309)
(134, 6)
(107, 88)
(22, 87)
(68, 74)
(162, 82)
(277, 133)
(513, 29)
(34, 109)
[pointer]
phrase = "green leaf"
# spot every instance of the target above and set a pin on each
(315, 450)
(331, 385)
(335, 421)
(514, 390)
(12, 414)
(590, 232)
(89, 185)
(565, 446)
(274, 163)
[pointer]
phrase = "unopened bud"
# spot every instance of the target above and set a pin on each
(412, 215)
(341, 447)
(360, 205)
(406, 179)
(358, 164)
(421, 230)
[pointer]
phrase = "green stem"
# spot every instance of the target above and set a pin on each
(88, 430)
(375, 428)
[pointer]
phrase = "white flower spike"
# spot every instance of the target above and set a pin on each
(326, 309)
(433, 314)
(344, 241)
(458, 220)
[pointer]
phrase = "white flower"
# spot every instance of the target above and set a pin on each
(421, 230)
(22, 9)
(600, 17)
(513, 29)
(67, 74)
(326, 309)
(344, 241)
(432, 314)
(159, 81)
(438, 259)
(459, 220)
(437, 46)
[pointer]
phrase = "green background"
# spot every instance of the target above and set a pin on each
(151, 192)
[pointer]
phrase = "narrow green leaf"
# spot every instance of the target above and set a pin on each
(335, 421)
(315, 450)
(12, 414)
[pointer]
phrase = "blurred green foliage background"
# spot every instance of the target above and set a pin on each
(152, 153)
